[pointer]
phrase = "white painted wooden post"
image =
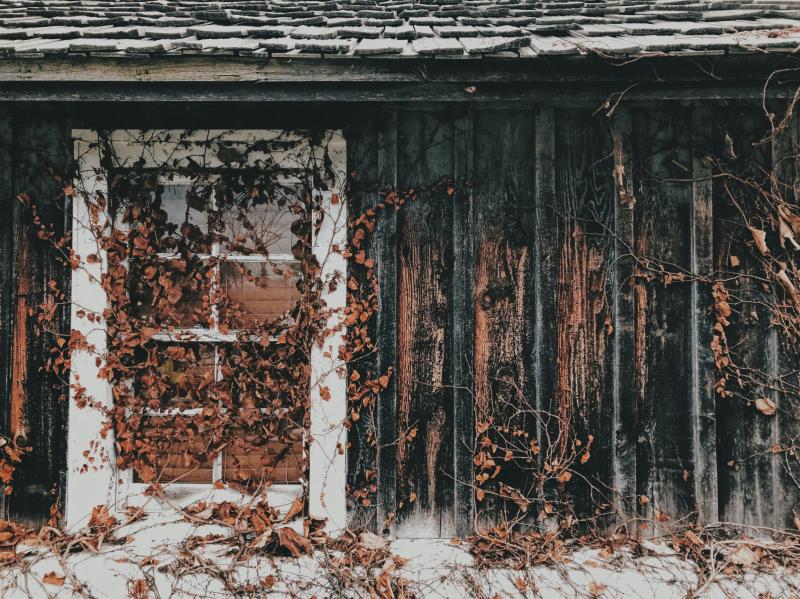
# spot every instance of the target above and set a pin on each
(91, 457)
(328, 444)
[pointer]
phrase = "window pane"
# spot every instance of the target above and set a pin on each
(258, 291)
(245, 212)
(171, 292)
(261, 224)
(173, 450)
(251, 459)
(177, 376)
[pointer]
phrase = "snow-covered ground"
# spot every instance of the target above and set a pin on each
(155, 562)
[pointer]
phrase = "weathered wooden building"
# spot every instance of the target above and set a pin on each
(570, 244)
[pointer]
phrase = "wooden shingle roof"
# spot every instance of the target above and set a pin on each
(395, 28)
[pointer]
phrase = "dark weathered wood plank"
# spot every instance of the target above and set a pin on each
(575, 94)
(142, 73)
(43, 156)
(585, 205)
(462, 323)
(7, 296)
(784, 368)
(545, 284)
(504, 307)
(385, 244)
(362, 158)
(746, 464)
(424, 338)
(703, 395)
(626, 382)
(662, 221)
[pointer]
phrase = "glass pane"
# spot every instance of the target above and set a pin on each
(247, 213)
(177, 376)
(173, 450)
(251, 459)
(185, 201)
(171, 292)
(261, 224)
(257, 291)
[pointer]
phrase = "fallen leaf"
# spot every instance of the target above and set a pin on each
(596, 589)
(54, 579)
(295, 543)
(268, 582)
(295, 509)
(693, 539)
(743, 556)
(371, 541)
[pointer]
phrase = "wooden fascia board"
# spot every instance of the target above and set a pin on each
(581, 79)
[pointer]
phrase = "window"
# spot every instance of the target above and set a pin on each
(212, 250)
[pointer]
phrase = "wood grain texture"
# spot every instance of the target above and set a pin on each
(309, 69)
(462, 323)
(385, 244)
(424, 337)
(504, 301)
(42, 154)
(7, 299)
(747, 487)
(663, 347)
(362, 158)
(626, 382)
(545, 286)
(782, 352)
(703, 394)
(585, 205)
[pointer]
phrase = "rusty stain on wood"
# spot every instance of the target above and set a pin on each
(19, 367)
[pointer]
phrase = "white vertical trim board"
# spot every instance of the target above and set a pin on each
(91, 461)
(93, 478)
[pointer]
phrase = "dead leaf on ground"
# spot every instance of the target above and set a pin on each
(296, 544)
(743, 556)
(54, 579)
(371, 541)
(295, 509)
(597, 589)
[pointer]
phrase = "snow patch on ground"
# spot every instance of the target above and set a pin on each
(435, 568)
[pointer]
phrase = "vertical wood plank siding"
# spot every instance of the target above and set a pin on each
(504, 234)
(625, 373)
(523, 278)
(556, 293)
(34, 412)
(747, 488)
(703, 376)
(661, 235)
(424, 301)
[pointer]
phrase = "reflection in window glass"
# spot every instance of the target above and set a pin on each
(258, 291)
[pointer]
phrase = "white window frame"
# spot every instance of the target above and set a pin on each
(92, 476)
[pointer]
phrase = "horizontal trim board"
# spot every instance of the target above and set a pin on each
(236, 69)
(563, 95)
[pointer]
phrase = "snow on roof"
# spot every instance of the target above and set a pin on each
(431, 28)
